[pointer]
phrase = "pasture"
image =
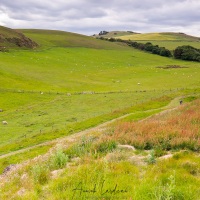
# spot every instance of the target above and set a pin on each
(86, 69)
(34, 85)
(161, 36)
(167, 40)
(72, 83)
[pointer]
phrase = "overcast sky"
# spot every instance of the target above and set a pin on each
(92, 16)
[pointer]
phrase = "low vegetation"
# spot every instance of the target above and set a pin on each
(96, 167)
(175, 130)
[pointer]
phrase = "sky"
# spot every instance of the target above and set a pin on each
(92, 16)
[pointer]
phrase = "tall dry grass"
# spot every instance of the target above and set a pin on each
(178, 129)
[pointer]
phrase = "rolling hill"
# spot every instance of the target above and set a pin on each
(161, 36)
(169, 40)
(10, 38)
(55, 38)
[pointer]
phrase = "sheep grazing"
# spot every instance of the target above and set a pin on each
(138, 83)
(68, 94)
(4, 122)
(1, 110)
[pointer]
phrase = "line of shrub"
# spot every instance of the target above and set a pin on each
(149, 47)
(184, 52)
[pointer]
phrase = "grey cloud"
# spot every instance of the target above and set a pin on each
(87, 16)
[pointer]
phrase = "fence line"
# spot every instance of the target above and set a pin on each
(88, 92)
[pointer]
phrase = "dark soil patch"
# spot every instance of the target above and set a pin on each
(171, 67)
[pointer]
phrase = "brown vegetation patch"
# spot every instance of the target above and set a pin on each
(178, 129)
(171, 67)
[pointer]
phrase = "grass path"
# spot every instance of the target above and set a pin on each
(171, 106)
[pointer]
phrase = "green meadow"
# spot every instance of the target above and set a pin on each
(71, 83)
(167, 40)
(86, 69)
(168, 36)
(71, 78)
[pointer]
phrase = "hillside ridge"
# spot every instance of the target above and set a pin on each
(10, 38)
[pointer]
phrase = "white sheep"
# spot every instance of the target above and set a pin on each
(4, 122)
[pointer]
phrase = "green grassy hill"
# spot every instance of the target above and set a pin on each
(54, 38)
(10, 38)
(168, 40)
(161, 36)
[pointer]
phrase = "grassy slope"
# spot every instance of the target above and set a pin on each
(95, 66)
(161, 36)
(10, 38)
(54, 38)
(81, 69)
(8, 32)
(168, 40)
(101, 161)
(105, 67)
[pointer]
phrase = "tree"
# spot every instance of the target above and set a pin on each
(187, 52)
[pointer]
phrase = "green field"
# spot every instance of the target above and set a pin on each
(167, 40)
(86, 69)
(34, 83)
(71, 83)
(54, 38)
(161, 36)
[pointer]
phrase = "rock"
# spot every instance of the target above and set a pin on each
(21, 192)
(138, 160)
(76, 160)
(165, 157)
(24, 178)
(7, 169)
(126, 147)
(56, 173)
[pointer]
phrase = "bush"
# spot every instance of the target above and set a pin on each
(103, 147)
(81, 148)
(165, 52)
(187, 52)
(40, 173)
(58, 159)
(151, 158)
